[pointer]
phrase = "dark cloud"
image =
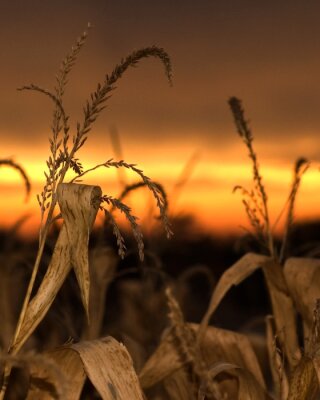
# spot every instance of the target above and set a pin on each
(267, 53)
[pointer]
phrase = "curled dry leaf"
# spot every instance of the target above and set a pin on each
(67, 362)
(233, 276)
(52, 377)
(217, 345)
(105, 362)
(79, 205)
(282, 305)
(249, 387)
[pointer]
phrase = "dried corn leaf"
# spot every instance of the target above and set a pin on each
(283, 311)
(316, 364)
(79, 206)
(105, 362)
(67, 361)
(137, 351)
(233, 276)
(218, 344)
(304, 384)
(232, 347)
(163, 362)
(179, 387)
(103, 264)
(249, 388)
(282, 305)
(279, 377)
(303, 279)
(52, 378)
(109, 367)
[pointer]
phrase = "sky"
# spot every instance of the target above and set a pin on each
(265, 53)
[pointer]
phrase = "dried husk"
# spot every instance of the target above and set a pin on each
(79, 205)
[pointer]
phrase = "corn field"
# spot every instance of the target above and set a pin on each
(73, 327)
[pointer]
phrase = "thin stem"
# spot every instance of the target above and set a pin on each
(5, 382)
(12, 348)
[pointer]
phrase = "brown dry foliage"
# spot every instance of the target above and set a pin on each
(190, 361)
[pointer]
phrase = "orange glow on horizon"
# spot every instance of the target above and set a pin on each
(207, 195)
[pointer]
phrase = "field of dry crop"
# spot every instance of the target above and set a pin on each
(105, 313)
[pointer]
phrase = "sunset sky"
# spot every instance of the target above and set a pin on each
(265, 53)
